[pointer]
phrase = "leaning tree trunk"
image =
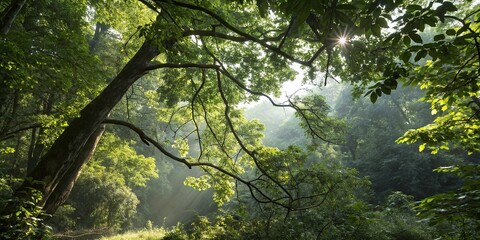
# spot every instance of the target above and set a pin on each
(55, 165)
(65, 186)
(9, 14)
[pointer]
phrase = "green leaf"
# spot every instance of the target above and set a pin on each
(388, 39)
(386, 90)
(449, 7)
(405, 57)
(431, 21)
(377, 12)
(420, 55)
(391, 83)
(451, 32)
(420, 24)
(373, 97)
(434, 54)
(460, 41)
(414, 7)
(439, 37)
(396, 39)
(422, 147)
(376, 30)
(406, 41)
(415, 37)
(382, 22)
(366, 94)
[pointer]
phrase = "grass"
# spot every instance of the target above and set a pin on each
(153, 234)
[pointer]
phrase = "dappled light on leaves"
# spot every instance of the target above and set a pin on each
(108, 109)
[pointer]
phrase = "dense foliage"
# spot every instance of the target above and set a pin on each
(106, 105)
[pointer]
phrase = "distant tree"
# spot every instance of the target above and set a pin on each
(370, 144)
(435, 46)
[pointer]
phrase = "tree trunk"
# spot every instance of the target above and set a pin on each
(5, 126)
(39, 147)
(9, 14)
(100, 29)
(404, 115)
(65, 186)
(65, 151)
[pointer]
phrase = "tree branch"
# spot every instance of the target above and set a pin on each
(148, 140)
(10, 134)
(245, 35)
(9, 14)
(154, 66)
(252, 154)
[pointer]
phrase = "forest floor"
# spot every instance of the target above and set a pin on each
(153, 234)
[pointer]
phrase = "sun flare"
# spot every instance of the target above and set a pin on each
(342, 40)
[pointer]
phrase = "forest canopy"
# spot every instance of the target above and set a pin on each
(101, 102)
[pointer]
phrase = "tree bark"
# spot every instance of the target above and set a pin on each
(9, 14)
(63, 189)
(65, 186)
(65, 151)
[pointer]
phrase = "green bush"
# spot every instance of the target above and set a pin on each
(26, 220)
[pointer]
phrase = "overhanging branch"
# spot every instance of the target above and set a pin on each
(252, 154)
(243, 35)
(148, 140)
(154, 66)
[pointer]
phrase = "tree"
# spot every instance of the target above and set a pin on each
(457, 210)
(8, 15)
(446, 67)
(183, 46)
(211, 56)
(372, 150)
